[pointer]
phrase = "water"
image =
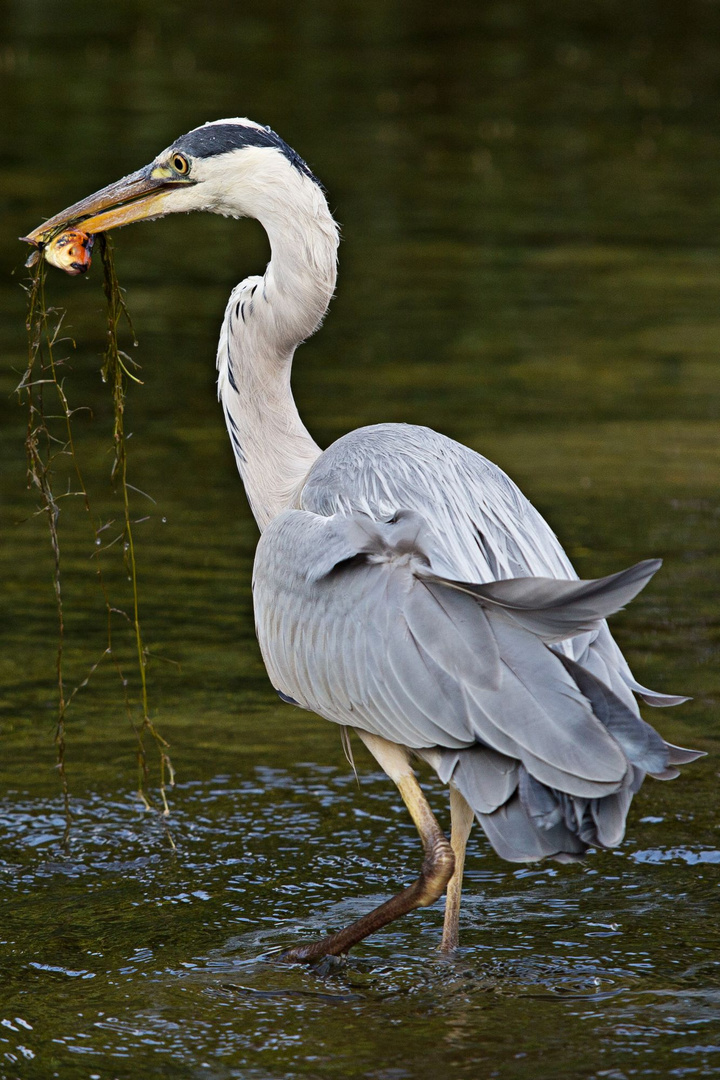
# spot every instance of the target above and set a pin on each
(528, 195)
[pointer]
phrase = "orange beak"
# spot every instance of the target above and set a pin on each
(137, 197)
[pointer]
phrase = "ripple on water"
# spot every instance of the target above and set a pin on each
(173, 952)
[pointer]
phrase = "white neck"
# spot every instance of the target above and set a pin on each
(265, 320)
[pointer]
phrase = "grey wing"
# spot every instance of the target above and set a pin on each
(355, 624)
(480, 527)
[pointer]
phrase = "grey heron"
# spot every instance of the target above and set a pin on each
(403, 586)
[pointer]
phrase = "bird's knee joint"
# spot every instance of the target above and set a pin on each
(438, 867)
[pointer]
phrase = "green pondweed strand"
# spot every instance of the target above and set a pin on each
(50, 437)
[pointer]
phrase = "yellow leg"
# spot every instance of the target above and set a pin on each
(461, 817)
(437, 868)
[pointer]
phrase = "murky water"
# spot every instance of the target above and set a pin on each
(528, 194)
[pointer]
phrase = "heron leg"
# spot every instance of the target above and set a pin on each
(437, 867)
(461, 817)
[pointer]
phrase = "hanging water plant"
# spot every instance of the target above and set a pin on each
(50, 436)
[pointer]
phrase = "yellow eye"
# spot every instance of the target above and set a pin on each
(180, 164)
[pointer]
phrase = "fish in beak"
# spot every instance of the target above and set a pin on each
(70, 251)
(138, 197)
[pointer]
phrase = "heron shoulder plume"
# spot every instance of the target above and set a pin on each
(403, 586)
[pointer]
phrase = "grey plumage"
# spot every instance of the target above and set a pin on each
(377, 608)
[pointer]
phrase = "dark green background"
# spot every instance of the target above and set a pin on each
(529, 199)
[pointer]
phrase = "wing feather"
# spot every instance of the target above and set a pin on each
(357, 622)
(480, 526)
(483, 527)
(467, 650)
(370, 641)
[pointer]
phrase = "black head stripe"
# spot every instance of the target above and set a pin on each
(214, 139)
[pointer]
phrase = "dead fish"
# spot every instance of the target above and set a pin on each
(70, 251)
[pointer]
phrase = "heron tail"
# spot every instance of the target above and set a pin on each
(527, 820)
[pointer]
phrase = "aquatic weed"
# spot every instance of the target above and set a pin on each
(45, 442)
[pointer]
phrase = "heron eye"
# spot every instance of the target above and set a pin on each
(180, 164)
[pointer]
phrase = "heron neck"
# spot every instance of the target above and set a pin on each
(265, 320)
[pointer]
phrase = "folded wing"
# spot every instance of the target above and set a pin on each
(355, 625)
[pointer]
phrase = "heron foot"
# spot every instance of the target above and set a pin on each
(437, 869)
(322, 964)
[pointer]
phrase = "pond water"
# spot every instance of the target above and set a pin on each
(531, 264)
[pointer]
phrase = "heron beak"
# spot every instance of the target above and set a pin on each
(137, 197)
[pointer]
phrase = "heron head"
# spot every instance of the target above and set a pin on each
(229, 167)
